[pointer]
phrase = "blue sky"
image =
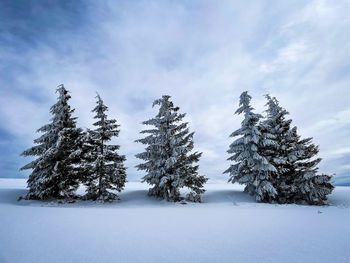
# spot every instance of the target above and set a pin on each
(202, 53)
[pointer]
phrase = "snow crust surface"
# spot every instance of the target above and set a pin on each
(227, 227)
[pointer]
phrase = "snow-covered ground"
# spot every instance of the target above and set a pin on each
(227, 227)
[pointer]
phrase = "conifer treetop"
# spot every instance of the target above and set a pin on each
(244, 103)
(62, 112)
(107, 128)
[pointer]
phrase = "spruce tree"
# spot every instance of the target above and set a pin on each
(53, 173)
(170, 162)
(294, 158)
(251, 168)
(103, 168)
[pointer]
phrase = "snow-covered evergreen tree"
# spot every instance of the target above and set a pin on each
(284, 151)
(53, 173)
(103, 168)
(170, 162)
(251, 167)
(295, 159)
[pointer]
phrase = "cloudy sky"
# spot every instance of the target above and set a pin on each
(202, 53)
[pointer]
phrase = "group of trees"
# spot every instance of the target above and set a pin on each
(273, 162)
(67, 156)
(269, 157)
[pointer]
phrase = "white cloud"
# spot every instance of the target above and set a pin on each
(203, 54)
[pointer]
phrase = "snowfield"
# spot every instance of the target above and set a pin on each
(227, 227)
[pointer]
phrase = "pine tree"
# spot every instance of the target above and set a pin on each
(251, 167)
(103, 167)
(52, 173)
(294, 158)
(170, 162)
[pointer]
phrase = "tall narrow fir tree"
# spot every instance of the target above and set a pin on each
(170, 162)
(103, 166)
